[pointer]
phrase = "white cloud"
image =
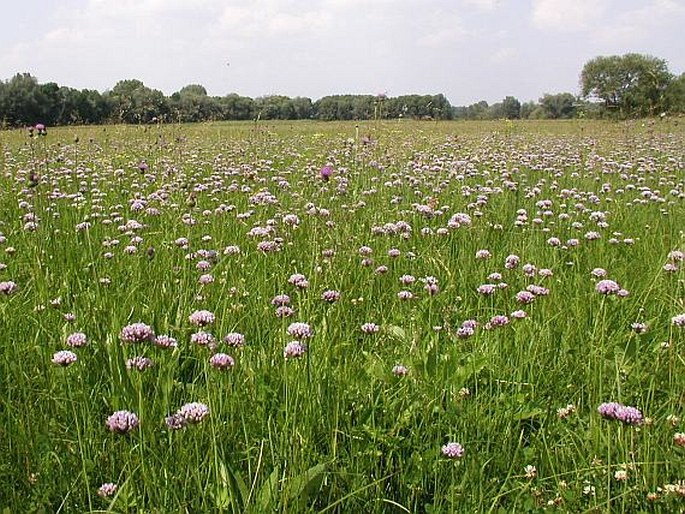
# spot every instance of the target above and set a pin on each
(567, 15)
(485, 5)
(504, 55)
(637, 25)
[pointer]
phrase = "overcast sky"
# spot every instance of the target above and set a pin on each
(469, 50)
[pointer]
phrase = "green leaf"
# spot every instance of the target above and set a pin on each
(302, 486)
(266, 495)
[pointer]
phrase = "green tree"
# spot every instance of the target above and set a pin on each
(630, 84)
(674, 97)
(236, 107)
(134, 102)
(511, 108)
(21, 101)
(558, 106)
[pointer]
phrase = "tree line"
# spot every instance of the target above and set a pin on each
(631, 85)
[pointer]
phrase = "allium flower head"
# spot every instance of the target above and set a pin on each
(639, 327)
(399, 370)
(298, 280)
(525, 297)
(679, 439)
(201, 318)
(139, 363)
(330, 296)
(202, 338)
(294, 350)
(77, 340)
(300, 330)
(194, 412)
(137, 333)
(235, 339)
(512, 261)
(64, 358)
(486, 289)
(165, 341)
(175, 422)
(280, 300)
(499, 320)
(453, 450)
(284, 311)
(8, 287)
(607, 287)
(222, 361)
(122, 422)
(370, 328)
(679, 320)
(619, 412)
(407, 279)
(107, 489)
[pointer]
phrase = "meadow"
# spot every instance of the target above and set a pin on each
(327, 317)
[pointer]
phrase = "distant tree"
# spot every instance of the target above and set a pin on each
(477, 111)
(302, 108)
(511, 107)
(631, 84)
(236, 107)
(136, 103)
(191, 103)
(527, 108)
(21, 101)
(558, 106)
(674, 96)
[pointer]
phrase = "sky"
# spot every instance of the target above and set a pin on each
(469, 50)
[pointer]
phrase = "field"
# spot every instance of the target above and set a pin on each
(307, 317)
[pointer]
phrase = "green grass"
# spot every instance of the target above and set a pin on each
(336, 430)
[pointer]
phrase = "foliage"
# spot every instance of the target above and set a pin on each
(631, 84)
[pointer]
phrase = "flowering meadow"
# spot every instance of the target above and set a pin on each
(336, 318)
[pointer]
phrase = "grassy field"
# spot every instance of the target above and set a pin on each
(308, 317)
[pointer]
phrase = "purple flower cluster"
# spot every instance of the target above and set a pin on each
(122, 422)
(64, 358)
(8, 287)
(300, 330)
(222, 361)
(299, 281)
(330, 296)
(607, 287)
(139, 363)
(453, 450)
(370, 328)
(77, 340)
(137, 333)
(294, 350)
(165, 341)
(189, 414)
(107, 489)
(280, 300)
(235, 340)
(202, 338)
(679, 320)
(619, 412)
(201, 318)
(400, 371)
